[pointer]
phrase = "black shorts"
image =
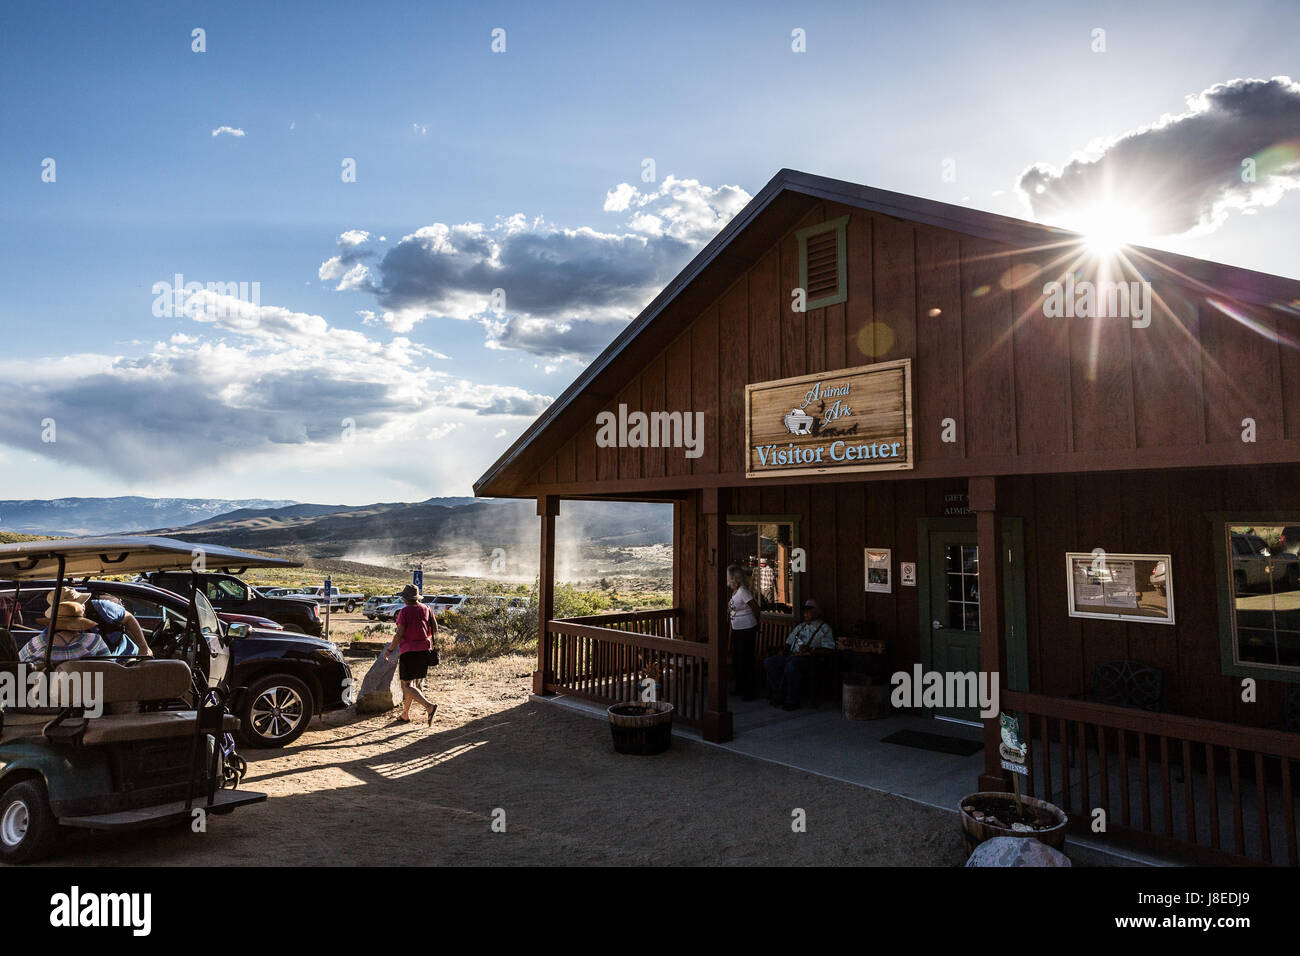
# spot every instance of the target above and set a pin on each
(414, 665)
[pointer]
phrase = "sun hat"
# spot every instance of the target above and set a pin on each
(410, 591)
(72, 617)
(69, 594)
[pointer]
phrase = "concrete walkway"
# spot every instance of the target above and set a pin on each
(821, 741)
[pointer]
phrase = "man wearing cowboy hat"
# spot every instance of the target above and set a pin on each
(76, 637)
(786, 671)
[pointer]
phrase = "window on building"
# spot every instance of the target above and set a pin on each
(764, 548)
(961, 565)
(1263, 562)
(823, 274)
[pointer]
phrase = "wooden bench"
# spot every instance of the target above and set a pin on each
(824, 681)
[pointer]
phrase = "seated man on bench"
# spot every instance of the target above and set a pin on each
(788, 671)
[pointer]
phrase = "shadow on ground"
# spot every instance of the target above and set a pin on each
(376, 792)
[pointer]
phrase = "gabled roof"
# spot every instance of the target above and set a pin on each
(785, 199)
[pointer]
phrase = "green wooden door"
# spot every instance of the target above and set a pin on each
(954, 612)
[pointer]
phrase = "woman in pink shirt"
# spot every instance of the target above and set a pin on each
(416, 626)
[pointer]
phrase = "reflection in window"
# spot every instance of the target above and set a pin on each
(961, 566)
(763, 549)
(1266, 593)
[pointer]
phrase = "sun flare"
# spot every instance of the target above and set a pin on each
(1108, 229)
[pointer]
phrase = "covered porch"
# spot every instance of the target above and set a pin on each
(1131, 781)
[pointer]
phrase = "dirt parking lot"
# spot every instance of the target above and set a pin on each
(374, 791)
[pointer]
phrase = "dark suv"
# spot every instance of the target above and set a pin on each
(278, 680)
(231, 595)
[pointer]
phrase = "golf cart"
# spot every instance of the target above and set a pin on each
(114, 742)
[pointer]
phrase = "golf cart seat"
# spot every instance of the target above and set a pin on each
(147, 681)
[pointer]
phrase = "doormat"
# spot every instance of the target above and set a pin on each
(939, 743)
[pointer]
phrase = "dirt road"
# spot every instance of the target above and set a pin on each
(374, 791)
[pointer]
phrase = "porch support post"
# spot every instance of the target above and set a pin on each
(993, 658)
(717, 718)
(548, 506)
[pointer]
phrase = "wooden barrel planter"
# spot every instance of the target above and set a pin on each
(641, 727)
(1045, 821)
(863, 699)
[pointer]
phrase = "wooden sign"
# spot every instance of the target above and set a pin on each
(856, 419)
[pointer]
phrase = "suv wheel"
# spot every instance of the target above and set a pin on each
(27, 826)
(275, 712)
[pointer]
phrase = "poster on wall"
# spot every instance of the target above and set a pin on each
(1121, 587)
(878, 570)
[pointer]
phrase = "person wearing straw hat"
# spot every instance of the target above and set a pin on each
(121, 632)
(76, 637)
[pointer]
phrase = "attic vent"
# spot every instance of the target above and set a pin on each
(822, 273)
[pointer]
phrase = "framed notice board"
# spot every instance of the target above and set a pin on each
(1120, 587)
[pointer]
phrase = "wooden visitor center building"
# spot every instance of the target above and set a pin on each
(992, 447)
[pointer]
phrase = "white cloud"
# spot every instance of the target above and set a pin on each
(227, 131)
(246, 383)
(567, 291)
(1184, 173)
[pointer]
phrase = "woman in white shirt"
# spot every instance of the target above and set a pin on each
(742, 608)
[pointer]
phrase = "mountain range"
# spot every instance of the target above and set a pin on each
(473, 536)
(84, 516)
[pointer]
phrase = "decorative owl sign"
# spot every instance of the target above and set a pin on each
(798, 422)
(1012, 749)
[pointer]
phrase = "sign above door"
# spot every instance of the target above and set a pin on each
(855, 419)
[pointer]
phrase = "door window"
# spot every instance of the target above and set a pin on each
(961, 572)
(223, 590)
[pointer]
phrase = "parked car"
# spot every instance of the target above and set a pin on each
(228, 594)
(279, 680)
(337, 599)
(1159, 577)
(1255, 567)
(511, 605)
(371, 608)
(447, 602)
(158, 744)
(388, 612)
(275, 592)
(252, 620)
(1290, 539)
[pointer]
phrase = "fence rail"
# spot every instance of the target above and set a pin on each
(1224, 792)
(612, 658)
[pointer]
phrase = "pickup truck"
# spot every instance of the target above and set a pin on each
(337, 599)
(228, 594)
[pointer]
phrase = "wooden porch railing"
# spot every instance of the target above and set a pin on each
(606, 658)
(1085, 756)
(661, 623)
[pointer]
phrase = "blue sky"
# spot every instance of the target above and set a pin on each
(472, 165)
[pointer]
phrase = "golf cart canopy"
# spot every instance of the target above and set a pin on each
(121, 554)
